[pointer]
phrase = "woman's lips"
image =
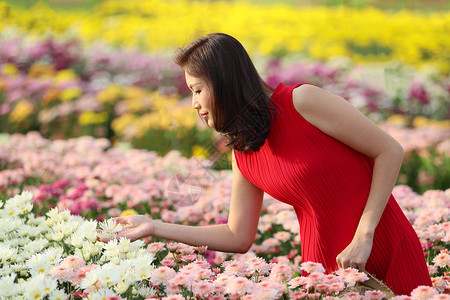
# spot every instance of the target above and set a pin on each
(204, 115)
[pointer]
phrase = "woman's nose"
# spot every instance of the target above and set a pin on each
(195, 104)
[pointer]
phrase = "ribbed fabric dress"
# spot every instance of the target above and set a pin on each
(328, 183)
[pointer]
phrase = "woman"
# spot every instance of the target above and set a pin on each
(306, 147)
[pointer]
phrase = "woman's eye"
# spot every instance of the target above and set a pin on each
(197, 92)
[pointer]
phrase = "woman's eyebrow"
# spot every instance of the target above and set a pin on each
(193, 84)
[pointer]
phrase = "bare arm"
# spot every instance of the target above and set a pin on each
(236, 236)
(338, 118)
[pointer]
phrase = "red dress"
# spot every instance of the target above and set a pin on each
(328, 183)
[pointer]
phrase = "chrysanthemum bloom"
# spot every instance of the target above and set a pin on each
(239, 285)
(73, 262)
(174, 297)
(313, 279)
(155, 247)
(62, 273)
(282, 236)
(161, 275)
(402, 297)
(222, 279)
(423, 292)
(258, 264)
(234, 267)
(282, 271)
(374, 295)
(439, 283)
(81, 274)
(323, 288)
(441, 297)
(202, 289)
(337, 287)
(168, 262)
(352, 296)
(298, 295)
(297, 281)
(182, 280)
(442, 260)
(310, 267)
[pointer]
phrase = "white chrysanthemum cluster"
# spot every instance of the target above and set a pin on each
(41, 256)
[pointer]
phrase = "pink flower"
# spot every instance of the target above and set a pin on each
(442, 260)
(168, 262)
(155, 247)
(313, 279)
(182, 280)
(310, 267)
(374, 295)
(282, 236)
(323, 288)
(441, 297)
(352, 296)
(258, 264)
(297, 281)
(174, 297)
(298, 295)
(113, 297)
(74, 262)
(423, 292)
(81, 274)
(238, 285)
(282, 271)
(337, 287)
(234, 267)
(161, 275)
(202, 288)
(62, 273)
(222, 279)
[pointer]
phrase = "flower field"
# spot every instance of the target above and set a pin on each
(49, 249)
(96, 122)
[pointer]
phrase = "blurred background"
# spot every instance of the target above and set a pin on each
(71, 68)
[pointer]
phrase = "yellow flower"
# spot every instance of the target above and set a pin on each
(21, 111)
(50, 95)
(65, 76)
(41, 70)
(90, 117)
(110, 95)
(199, 151)
(421, 121)
(398, 120)
(9, 70)
(128, 212)
(70, 93)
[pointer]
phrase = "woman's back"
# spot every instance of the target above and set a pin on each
(328, 184)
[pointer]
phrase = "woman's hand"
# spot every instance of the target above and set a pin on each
(134, 227)
(356, 254)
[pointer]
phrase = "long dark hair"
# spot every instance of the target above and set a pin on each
(241, 108)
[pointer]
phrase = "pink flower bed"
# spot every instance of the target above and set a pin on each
(88, 177)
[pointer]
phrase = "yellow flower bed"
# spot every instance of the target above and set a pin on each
(319, 32)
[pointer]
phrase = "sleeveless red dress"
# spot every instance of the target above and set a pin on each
(328, 183)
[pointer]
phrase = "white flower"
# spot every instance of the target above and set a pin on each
(7, 286)
(58, 295)
(35, 246)
(110, 226)
(91, 278)
(6, 252)
(88, 230)
(109, 275)
(18, 205)
(101, 294)
(41, 263)
(37, 287)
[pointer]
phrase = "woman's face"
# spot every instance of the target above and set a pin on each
(201, 98)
